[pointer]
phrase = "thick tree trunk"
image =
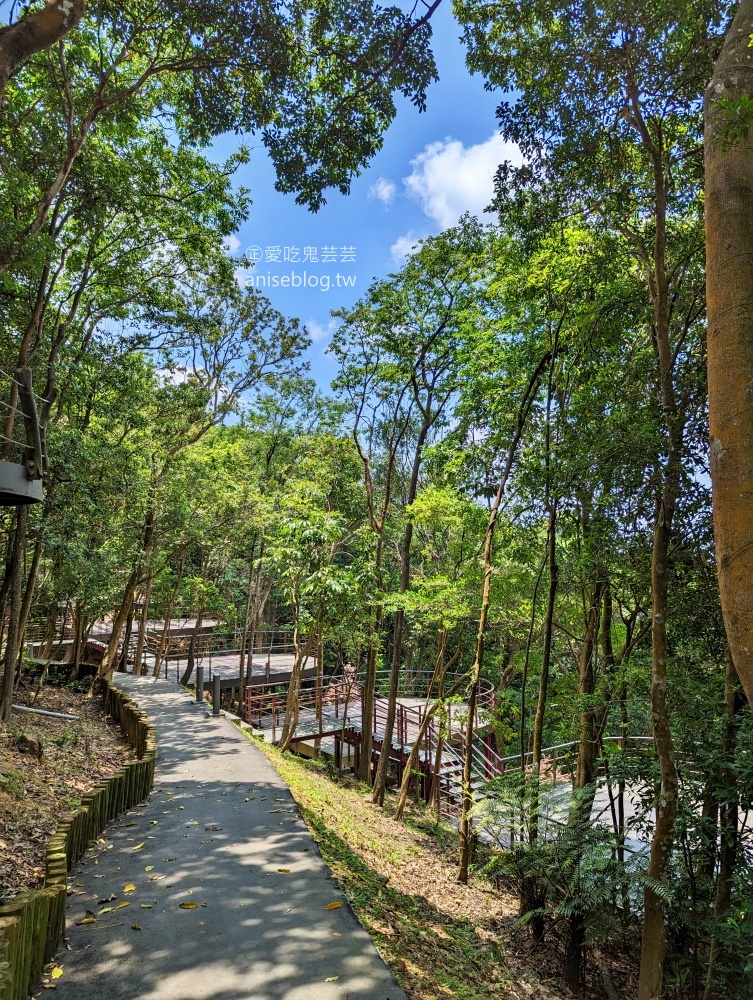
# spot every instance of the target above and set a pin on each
(37, 31)
(728, 209)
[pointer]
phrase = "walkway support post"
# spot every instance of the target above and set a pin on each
(199, 685)
(216, 694)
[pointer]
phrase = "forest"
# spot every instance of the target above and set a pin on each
(509, 479)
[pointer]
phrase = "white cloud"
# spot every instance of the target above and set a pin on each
(449, 178)
(383, 190)
(404, 246)
(318, 332)
(231, 243)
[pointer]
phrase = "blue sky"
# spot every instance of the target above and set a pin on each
(433, 166)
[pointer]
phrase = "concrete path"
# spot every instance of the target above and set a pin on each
(217, 829)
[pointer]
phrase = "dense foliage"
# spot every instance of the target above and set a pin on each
(516, 437)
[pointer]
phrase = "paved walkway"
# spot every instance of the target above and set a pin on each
(217, 829)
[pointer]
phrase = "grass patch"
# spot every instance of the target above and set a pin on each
(440, 938)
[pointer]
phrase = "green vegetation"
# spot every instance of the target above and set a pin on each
(437, 936)
(534, 468)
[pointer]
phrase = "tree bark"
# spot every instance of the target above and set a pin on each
(162, 651)
(302, 652)
(191, 659)
(523, 410)
(585, 777)
(728, 209)
(15, 576)
(37, 31)
(546, 659)
(138, 665)
(728, 819)
(380, 780)
(28, 598)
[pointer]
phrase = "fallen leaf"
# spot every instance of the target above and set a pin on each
(138, 846)
(56, 973)
(86, 920)
(129, 888)
(188, 906)
(331, 979)
(333, 906)
(146, 906)
(149, 868)
(156, 878)
(284, 871)
(135, 927)
(109, 909)
(335, 933)
(274, 811)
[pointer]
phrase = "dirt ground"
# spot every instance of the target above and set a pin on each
(46, 765)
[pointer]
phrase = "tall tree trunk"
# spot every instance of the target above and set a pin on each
(585, 777)
(244, 633)
(138, 664)
(162, 650)
(728, 210)
(34, 32)
(31, 581)
(130, 590)
(523, 410)
(546, 659)
(650, 983)
(302, 652)
(591, 717)
(319, 683)
(728, 820)
(191, 659)
(257, 611)
(79, 628)
(369, 686)
(653, 940)
(380, 781)
(14, 573)
(430, 710)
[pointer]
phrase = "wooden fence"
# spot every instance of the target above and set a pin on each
(32, 925)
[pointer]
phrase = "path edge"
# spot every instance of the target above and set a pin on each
(32, 925)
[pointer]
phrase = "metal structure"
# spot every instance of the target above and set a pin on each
(22, 483)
